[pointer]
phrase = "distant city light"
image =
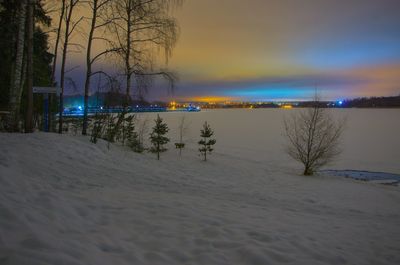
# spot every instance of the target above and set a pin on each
(287, 107)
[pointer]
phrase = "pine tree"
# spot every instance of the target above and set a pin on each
(206, 143)
(135, 144)
(128, 129)
(132, 136)
(157, 137)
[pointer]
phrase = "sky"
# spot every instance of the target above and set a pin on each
(271, 50)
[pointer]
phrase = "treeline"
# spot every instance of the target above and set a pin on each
(373, 102)
(129, 35)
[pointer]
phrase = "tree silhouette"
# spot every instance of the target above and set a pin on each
(313, 137)
(158, 138)
(206, 143)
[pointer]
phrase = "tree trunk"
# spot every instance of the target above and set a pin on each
(16, 88)
(89, 68)
(128, 55)
(307, 171)
(29, 110)
(57, 41)
(205, 147)
(63, 62)
(54, 66)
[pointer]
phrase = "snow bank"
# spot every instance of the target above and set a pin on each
(64, 200)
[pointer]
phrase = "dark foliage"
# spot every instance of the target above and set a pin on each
(41, 58)
(158, 138)
(206, 144)
(374, 102)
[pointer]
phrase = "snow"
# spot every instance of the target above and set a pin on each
(64, 200)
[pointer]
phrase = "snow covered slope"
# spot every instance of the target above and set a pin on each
(64, 200)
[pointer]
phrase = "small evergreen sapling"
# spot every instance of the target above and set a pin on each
(128, 130)
(131, 135)
(158, 138)
(206, 143)
(142, 128)
(98, 127)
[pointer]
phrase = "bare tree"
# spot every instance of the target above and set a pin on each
(70, 27)
(141, 27)
(16, 82)
(314, 137)
(97, 21)
(57, 40)
(183, 127)
(61, 10)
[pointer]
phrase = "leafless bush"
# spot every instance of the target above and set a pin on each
(314, 137)
(183, 128)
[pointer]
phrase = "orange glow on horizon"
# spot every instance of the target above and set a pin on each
(211, 99)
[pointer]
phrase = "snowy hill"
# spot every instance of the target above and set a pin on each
(64, 200)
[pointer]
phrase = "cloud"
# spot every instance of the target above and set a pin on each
(353, 82)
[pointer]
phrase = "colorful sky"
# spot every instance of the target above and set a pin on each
(262, 50)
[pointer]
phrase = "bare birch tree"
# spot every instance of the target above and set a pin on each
(61, 11)
(97, 21)
(143, 27)
(57, 40)
(314, 137)
(70, 27)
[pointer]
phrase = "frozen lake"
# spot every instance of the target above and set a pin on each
(370, 140)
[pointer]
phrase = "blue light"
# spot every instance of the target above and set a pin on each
(340, 102)
(273, 92)
(80, 107)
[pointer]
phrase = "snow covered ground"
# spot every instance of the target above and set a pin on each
(64, 200)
